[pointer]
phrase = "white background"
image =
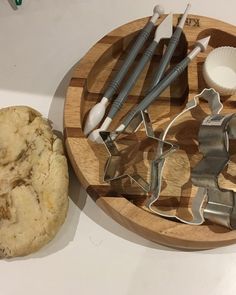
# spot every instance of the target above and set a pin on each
(92, 254)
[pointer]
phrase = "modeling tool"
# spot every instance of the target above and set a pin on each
(165, 60)
(96, 114)
(200, 45)
(174, 40)
(163, 31)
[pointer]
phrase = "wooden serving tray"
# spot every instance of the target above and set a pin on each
(87, 85)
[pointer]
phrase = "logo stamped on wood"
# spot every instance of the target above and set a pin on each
(191, 22)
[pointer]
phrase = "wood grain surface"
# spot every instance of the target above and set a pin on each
(88, 159)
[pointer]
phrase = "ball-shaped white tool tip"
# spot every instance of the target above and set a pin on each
(158, 9)
(95, 136)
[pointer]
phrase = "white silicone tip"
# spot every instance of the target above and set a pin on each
(158, 9)
(203, 43)
(219, 70)
(120, 128)
(95, 136)
(184, 16)
(165, 29)
(95, 115)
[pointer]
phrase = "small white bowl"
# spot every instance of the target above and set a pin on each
(219, 70)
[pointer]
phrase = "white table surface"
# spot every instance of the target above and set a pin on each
(92, 254)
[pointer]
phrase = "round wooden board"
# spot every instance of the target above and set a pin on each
(86, 87)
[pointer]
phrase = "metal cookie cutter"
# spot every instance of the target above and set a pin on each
(213, 99)
(122, 163)
(214, 135)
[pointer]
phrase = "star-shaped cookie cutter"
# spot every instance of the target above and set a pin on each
(120, 161)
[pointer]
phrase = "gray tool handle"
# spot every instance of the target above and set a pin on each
(120, 100)
(142, 37)
(157, 90)
(165, 60)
